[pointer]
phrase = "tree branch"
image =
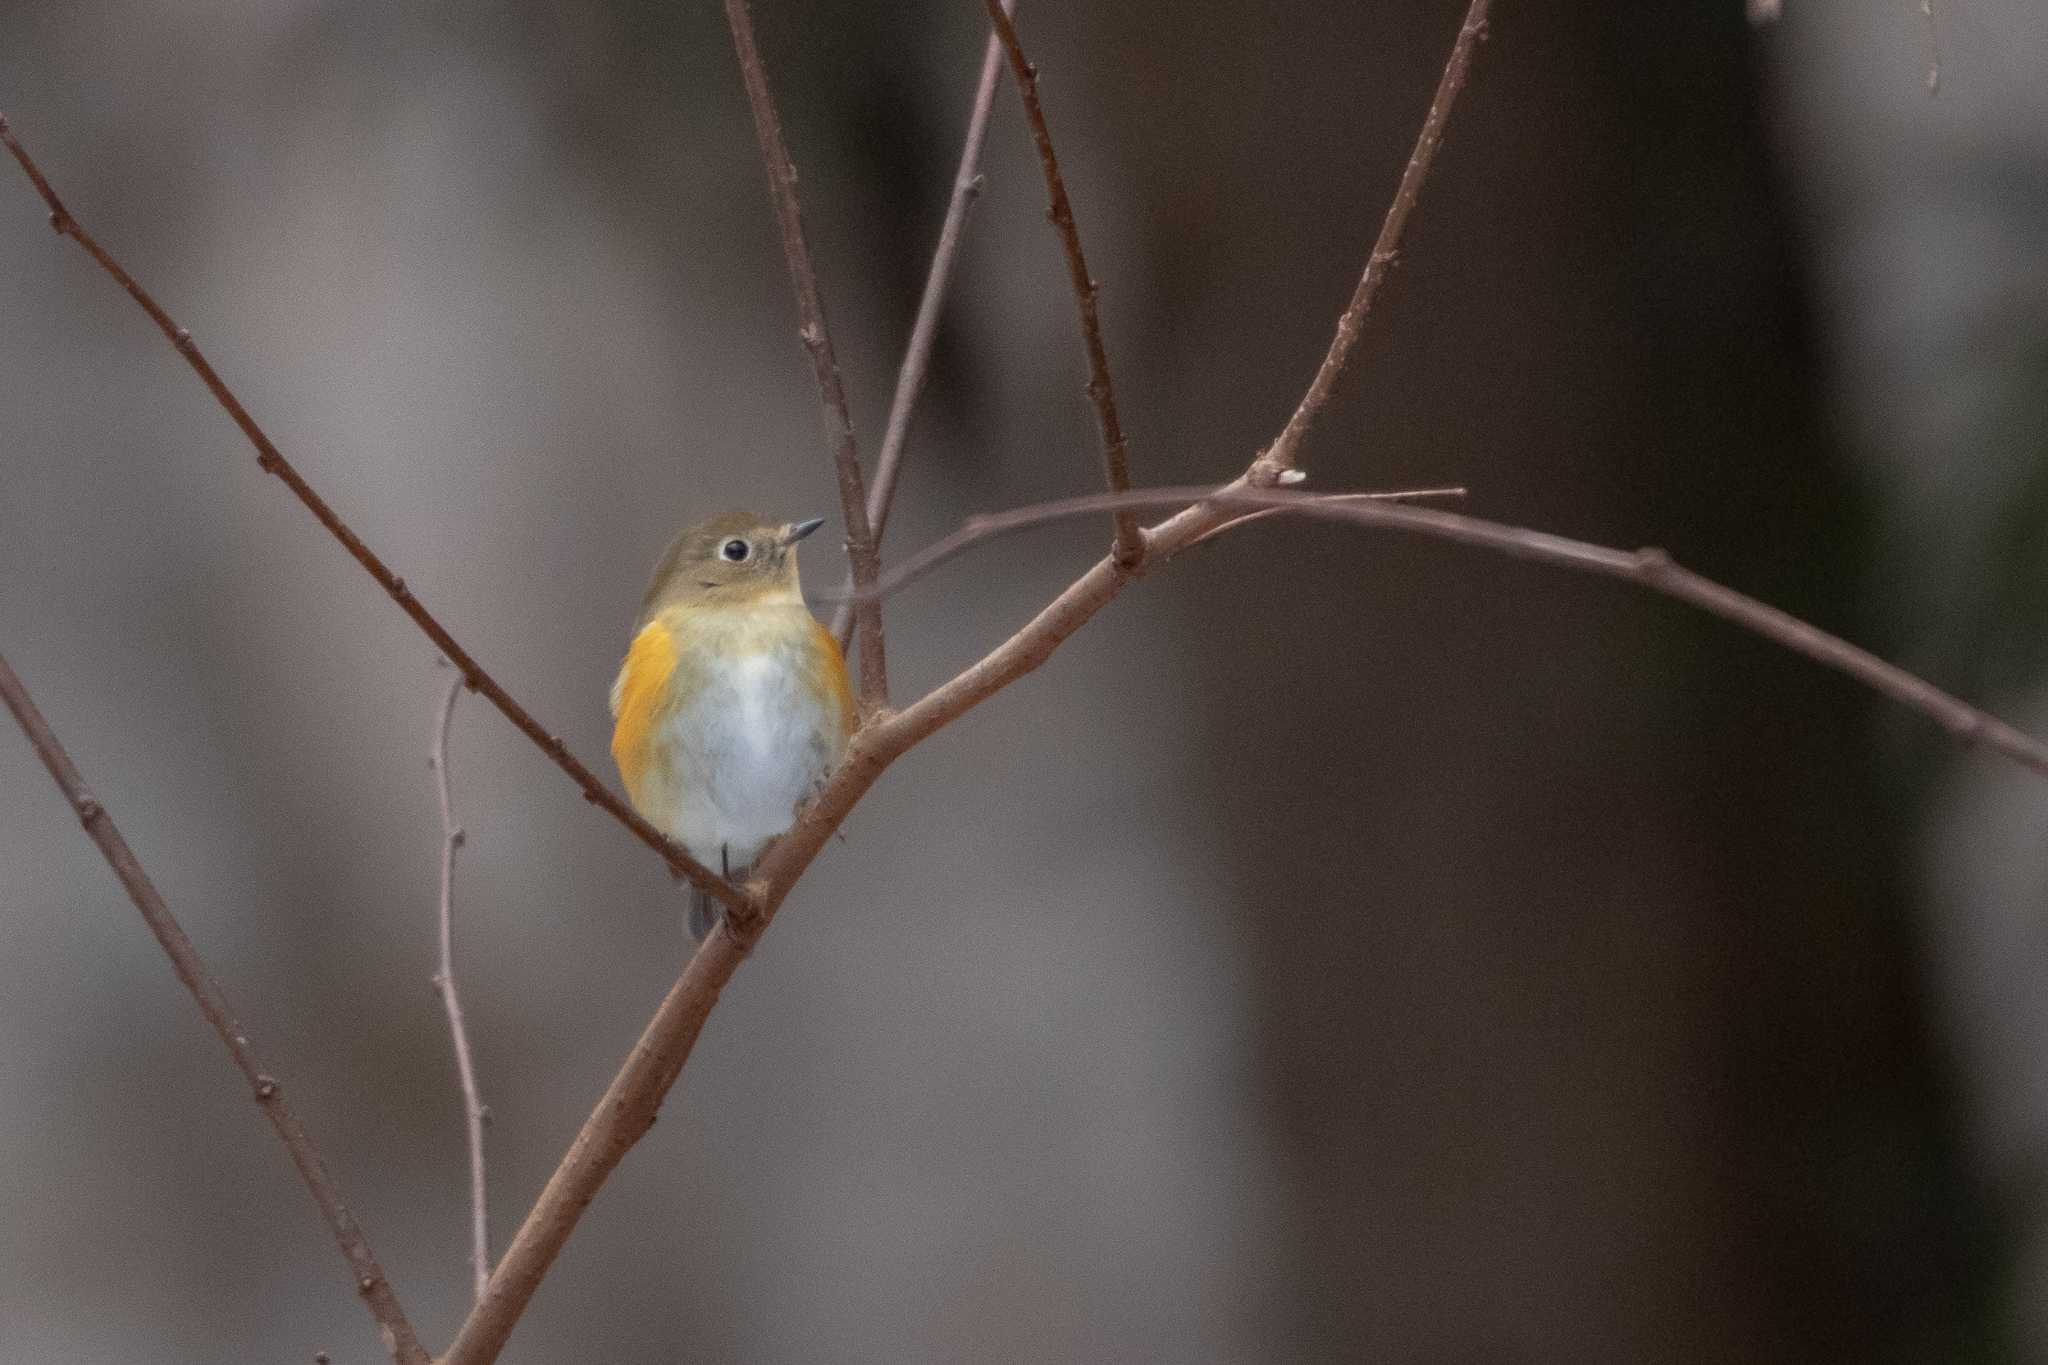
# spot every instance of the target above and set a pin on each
(988, 525)
(1129, 545)
(621, 1119)
(371, 1283)
(1648, 567)
(272, 460)
(1281, 458)
(474, 1116)
(810, 306)
(917, 354)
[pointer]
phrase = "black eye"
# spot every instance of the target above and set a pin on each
(735, 550)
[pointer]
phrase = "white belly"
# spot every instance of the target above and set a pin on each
(749, 747)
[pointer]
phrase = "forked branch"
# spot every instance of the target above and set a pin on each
(371, 1283)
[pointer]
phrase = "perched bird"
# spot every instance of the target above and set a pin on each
(732, 704)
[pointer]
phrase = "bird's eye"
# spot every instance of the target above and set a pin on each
(735, 550)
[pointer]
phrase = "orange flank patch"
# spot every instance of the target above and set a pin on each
(832, 664)
(638, 699)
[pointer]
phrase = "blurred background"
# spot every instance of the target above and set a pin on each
(1346, 948)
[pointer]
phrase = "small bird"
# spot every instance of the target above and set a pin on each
(732, 704)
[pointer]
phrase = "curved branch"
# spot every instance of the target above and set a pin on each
(1647, 567)
(371, 1282)
(989, 525)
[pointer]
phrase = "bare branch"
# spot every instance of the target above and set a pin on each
(988, 525)
(1282, 455)
(1129, 545)
(810, 306)
(917, 355)
(620, 1119)
(1397, 495)
(371, 1282)
(473, 1114)
(272, 460)
(1649, 567)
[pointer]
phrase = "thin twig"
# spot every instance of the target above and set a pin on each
(474, 1116)
(917, 355)
(272, 460)
(1649, 567)
(371, 1283)
(1129, 548)
(861, 554)
(988, 525)
(1281, 457)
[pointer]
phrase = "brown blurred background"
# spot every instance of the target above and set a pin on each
(1347, 948)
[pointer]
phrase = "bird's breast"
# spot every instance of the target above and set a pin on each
(737, 722)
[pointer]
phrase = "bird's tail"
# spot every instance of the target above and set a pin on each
(705, 909)
(704, 913)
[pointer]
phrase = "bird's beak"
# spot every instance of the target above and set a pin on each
(801, 529)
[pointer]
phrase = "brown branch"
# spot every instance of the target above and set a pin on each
(1650, 568)
(474, 1115)
(988, 525)
(621, 1118)
(272, 460)
(861, 554)
(1397, 495)
(371, 1282)
(917, 354)
(1129, 546)
(1281, 457)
